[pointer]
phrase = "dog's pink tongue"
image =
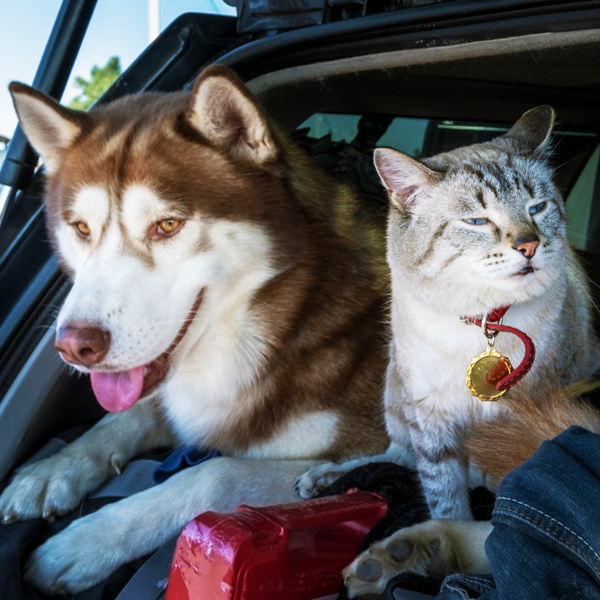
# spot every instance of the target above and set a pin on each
(117, 392)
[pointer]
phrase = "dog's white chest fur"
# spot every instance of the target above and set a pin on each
(212, 383)
(212, 388)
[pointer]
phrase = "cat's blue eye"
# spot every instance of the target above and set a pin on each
(476, 221)
(537, 208)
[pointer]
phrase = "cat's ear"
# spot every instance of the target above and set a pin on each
(49, 127)
(405, 178)
(225, 113)
(531, 133)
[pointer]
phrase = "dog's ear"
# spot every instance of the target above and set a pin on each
(50, 127)
(225, 113)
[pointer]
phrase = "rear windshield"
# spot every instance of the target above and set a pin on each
(575, 156)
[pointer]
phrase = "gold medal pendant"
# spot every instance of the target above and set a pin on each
(485, 371)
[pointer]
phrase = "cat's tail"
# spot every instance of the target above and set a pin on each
(498, 447)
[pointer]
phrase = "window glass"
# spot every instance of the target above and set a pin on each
(576, 153)
(339, 127)
(406, 135)
(3, 145)
(579, 202)
(124, 29)
(23, 42)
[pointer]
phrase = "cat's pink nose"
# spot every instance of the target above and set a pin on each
(527, 247)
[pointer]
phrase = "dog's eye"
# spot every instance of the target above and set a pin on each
(168, 225)
(82, 228)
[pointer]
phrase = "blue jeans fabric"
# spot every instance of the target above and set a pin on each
(546, 538)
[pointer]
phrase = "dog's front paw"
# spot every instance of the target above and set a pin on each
(81, 556)
(51, 487)
(316, 479)
(424, 549)
(434, 549)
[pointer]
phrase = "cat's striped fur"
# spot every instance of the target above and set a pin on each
(456, 239)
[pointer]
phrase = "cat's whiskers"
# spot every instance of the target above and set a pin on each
(487, 287)
(466, 264)
(459, 301)
(452, 279)
(583, 237)
(582, 287)
(592, 282)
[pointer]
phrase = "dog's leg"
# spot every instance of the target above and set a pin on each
(435, 548)
(91, 548)
(57, 484)
(400, 451)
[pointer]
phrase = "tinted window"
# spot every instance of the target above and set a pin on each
(576, 153)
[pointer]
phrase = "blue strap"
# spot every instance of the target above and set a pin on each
(181, 459)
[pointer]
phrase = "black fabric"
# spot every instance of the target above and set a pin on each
(406, 506)
(411, 582)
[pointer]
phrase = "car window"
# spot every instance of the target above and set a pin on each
(3, 145)
(132, 25)
(579, 202)
(117, 34)
(575, 156)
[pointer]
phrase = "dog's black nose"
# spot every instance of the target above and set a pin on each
(84, 345)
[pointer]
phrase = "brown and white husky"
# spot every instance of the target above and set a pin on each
(222, 296)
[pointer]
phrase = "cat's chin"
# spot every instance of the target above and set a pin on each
(521, 278)
(524, 285)
(517, 288)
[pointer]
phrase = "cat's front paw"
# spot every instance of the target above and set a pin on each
(316, 479)
(427, 549)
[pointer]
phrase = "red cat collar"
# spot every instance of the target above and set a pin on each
(493, 324)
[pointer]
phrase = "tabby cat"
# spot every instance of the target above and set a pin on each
(469, 231)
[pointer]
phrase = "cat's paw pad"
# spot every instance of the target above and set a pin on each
(423, 549)
(316, 479)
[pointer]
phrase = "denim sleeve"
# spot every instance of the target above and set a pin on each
(545, 544)
(546, 537)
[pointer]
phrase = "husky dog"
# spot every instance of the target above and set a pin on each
(222, 297)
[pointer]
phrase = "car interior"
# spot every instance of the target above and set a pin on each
(421, 91)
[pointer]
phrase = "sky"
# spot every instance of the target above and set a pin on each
(118, 28)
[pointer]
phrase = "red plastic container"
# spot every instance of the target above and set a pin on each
(290, 551)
